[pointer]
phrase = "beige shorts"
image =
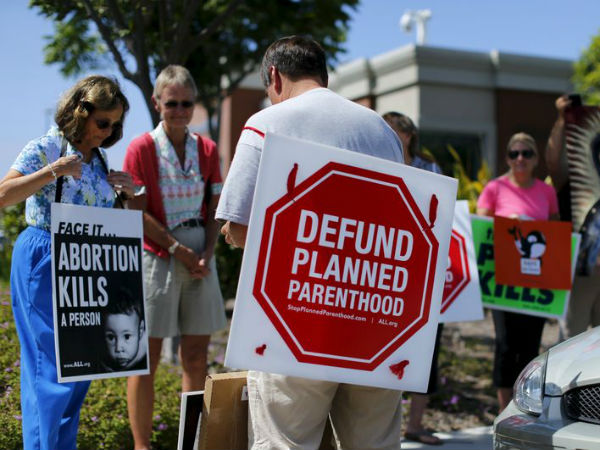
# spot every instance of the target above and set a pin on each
(291, 412)
(176, 304)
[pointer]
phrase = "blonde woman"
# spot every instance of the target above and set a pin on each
(517, 194)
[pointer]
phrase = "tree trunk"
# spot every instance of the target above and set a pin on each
(147, 90)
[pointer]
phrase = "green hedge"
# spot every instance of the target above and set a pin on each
(10, 396)
(229, 263)
(12, 222)
(104, 422)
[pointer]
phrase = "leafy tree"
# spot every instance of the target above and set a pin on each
(220, 41)
(587, 73)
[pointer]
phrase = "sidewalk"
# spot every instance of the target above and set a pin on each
(470, 439)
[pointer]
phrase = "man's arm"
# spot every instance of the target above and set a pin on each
(236, 198)
(556, 158)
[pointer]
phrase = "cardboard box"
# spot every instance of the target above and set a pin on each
(224, 422)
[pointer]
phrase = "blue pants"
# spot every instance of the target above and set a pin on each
(50, 409)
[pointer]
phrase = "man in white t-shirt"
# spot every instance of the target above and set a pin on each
(290, 412)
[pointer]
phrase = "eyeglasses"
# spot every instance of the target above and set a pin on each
(527, 154)
(103, 124)
(172, 104)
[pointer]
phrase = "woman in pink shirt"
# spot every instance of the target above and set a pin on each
(517, 194)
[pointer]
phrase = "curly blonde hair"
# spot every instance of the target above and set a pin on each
(89, 94)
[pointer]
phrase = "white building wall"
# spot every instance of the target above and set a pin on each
(449, 90)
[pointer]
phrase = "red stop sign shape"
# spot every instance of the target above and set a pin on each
(346, 267)
(457, 273)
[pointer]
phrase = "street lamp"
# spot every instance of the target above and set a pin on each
(419, 17)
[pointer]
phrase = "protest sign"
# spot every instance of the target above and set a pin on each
(582, 135)
(343, 268)
(462, 297)
(97, 291)
(533, 301)
(533, 253)
(190, 415)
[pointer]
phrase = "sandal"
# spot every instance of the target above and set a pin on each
(424, 437)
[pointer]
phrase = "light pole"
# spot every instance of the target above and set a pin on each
(419, 17)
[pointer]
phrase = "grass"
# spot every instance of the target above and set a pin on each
(103, 423)
(465, 396)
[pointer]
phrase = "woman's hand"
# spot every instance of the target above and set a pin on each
(121, 181)
(67, 165)
(16, 187)
(203, 264)
(192, 262)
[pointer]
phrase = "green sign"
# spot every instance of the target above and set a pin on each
(532, 301)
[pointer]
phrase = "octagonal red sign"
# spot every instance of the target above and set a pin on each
(457, 273)
(346, 267)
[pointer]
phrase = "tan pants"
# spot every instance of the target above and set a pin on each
(290, 413)
(584, 305)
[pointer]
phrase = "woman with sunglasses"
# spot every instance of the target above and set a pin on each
(65, 165)
(517, 194)
(180, 172)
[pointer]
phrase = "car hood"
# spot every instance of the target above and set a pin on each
(575, 362)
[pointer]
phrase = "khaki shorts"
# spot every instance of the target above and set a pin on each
(291, 412)
(176, 304)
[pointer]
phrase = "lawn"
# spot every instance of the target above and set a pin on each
(104, 423)
(465, 397)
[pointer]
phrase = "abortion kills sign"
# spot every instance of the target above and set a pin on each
(98, 298)
(343, 266)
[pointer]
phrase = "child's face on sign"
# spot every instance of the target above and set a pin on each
(122, 337)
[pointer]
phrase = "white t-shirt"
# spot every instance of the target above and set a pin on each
(318, 115)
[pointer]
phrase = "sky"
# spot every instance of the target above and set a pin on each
(550, 28)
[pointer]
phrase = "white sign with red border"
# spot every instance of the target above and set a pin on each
(343, 269)
(462, 296)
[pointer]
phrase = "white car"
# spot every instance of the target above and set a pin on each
(556, 402)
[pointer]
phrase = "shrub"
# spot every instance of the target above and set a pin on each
(469, 189)
(229, 263)
(12, 222)
(10, 394)
(104, 423)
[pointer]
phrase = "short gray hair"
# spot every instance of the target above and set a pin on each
(174, 75)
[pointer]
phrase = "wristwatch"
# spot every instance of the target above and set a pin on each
(173, 247)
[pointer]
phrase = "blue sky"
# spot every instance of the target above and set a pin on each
(550, 28)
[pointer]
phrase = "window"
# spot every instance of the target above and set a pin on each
(468, 146)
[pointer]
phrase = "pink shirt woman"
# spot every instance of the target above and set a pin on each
(505, 198)
(517, 194)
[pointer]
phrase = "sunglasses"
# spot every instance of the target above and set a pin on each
(527, 154)
(172, 104)
(103, 124)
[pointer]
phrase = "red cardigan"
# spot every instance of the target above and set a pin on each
(141, 162)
